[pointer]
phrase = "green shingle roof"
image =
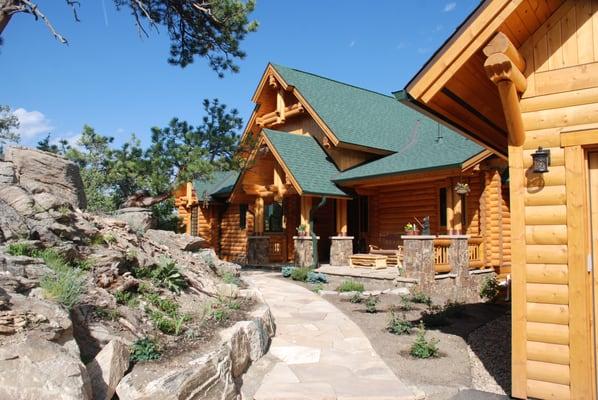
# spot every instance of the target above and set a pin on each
(306, 161)
(429, 147)
(355, 115)
(220, 185)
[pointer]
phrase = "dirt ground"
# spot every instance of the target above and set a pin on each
(440, 378)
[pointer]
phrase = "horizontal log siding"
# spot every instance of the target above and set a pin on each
(234, 239)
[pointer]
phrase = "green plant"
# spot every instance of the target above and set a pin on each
(405, 304)
(162, 322)
(127, 298)
(370, 304)
(84, 265)
(219, 314)
(421, 298)
(20, 249)
(64, 284)
(287, 271)
(299, 274)
(144, 350)
(490, 289)
(230, 278)
(167, 275)
(422, 347)
(163, 304)
(302, 229)
(316, 277)
(233, 305)
(318, 287)
(399, 325)
(107, 313)
(350, 286)
(356, 298)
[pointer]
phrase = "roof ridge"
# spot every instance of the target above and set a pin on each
(390, 96)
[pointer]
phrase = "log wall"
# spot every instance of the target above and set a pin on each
(552, 341)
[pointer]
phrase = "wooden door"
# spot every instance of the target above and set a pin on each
(593, 198)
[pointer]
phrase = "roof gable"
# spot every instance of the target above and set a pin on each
(220, 184)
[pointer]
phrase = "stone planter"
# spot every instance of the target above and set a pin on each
(341, 248)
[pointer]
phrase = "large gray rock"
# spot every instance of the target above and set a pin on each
(36, 369)
(40, 172)
(12, 225)
(176, 241)
(139, 219)
(7, 173)
(107, 369)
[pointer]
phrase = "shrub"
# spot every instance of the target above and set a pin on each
(490, 289)
(405, 304)
(127, 298)
(20, 249)
(107, 313)
(399, 325)
(317, 288)
(167, 275)
(422, 347)
(166, 305)
(101, 240)
(370, 304)
(299, 274)
(316, 277)
(144, 350)
(421, 298)
(350, 286)
(162, 322)
(287, 271)
(219, 314)
(229, 277)
(356, 298)
(64, 284)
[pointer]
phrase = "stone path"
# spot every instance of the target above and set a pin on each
(318, 353)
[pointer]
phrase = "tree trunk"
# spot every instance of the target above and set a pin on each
(4, 14)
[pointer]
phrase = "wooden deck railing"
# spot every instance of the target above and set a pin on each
(475, 248)
(441, 261)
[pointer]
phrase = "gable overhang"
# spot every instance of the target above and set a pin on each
(453, 85)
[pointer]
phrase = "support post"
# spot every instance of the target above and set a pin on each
(305, 211)
(341, 217)
(258, 225)
(418, 260)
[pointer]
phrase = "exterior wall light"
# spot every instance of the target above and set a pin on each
(541, 160)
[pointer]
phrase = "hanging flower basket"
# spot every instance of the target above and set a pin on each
(462, 188)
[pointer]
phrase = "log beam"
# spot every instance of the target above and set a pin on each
(258, 223)
(341, 217)
(306, 203)
(503, 68)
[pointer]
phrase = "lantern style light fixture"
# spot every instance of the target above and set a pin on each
(541, 160)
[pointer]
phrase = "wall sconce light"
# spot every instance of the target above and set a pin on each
(541, 160)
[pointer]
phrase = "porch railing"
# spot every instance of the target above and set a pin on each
(475, 250)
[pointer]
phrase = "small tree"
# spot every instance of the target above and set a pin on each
(9, 123)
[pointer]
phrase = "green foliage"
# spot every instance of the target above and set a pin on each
(370, 304)
(422, 347)
(167, 219)
(356, 298)
(127, 298)
(421, 298)
(405, 304)
(144, 350)
(65, 284)
(101, 240)
(287, 271)
(350, 286)
(230, 278)
(20, 249)
(9, 123)
(317, 288)
(167, 275)
(490, 289)
(316, 277)
(163, 304)
(220, 310)
(300, 274)
(107, 313)
(399, 325)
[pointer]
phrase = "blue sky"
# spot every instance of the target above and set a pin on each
(119, 83)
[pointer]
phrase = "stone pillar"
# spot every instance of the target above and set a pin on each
(458, 257)
(304, 253)
(418, 260)
(341, 248)
(258, 248)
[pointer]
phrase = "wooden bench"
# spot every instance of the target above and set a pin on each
(375, 261)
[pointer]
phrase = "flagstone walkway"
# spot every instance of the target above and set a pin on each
(318, 353)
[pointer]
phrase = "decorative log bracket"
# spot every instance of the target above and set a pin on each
(504, 66)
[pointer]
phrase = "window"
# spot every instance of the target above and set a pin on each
(273, 218)
(442, 202)
(194, 220)
(242, 216)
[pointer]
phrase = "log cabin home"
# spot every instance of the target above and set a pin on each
(349, 164)
(521, 77)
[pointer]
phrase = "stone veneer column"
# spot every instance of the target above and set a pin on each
(304, 255)
(341, 248)
(458, 257)
(418, 260)
(258, 248)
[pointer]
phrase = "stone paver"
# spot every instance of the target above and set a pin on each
(319, 353)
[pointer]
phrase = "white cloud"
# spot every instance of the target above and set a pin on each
(32, 123)
(352, 43)
(450, 6)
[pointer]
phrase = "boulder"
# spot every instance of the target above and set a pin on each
(139, 219)
(7, 173)
(227, 290)
(12, 225)
(176, 241)
(39, 369)
(107, 369)
(60, 176)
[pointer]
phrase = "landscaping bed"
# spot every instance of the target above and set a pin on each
(471, 341)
